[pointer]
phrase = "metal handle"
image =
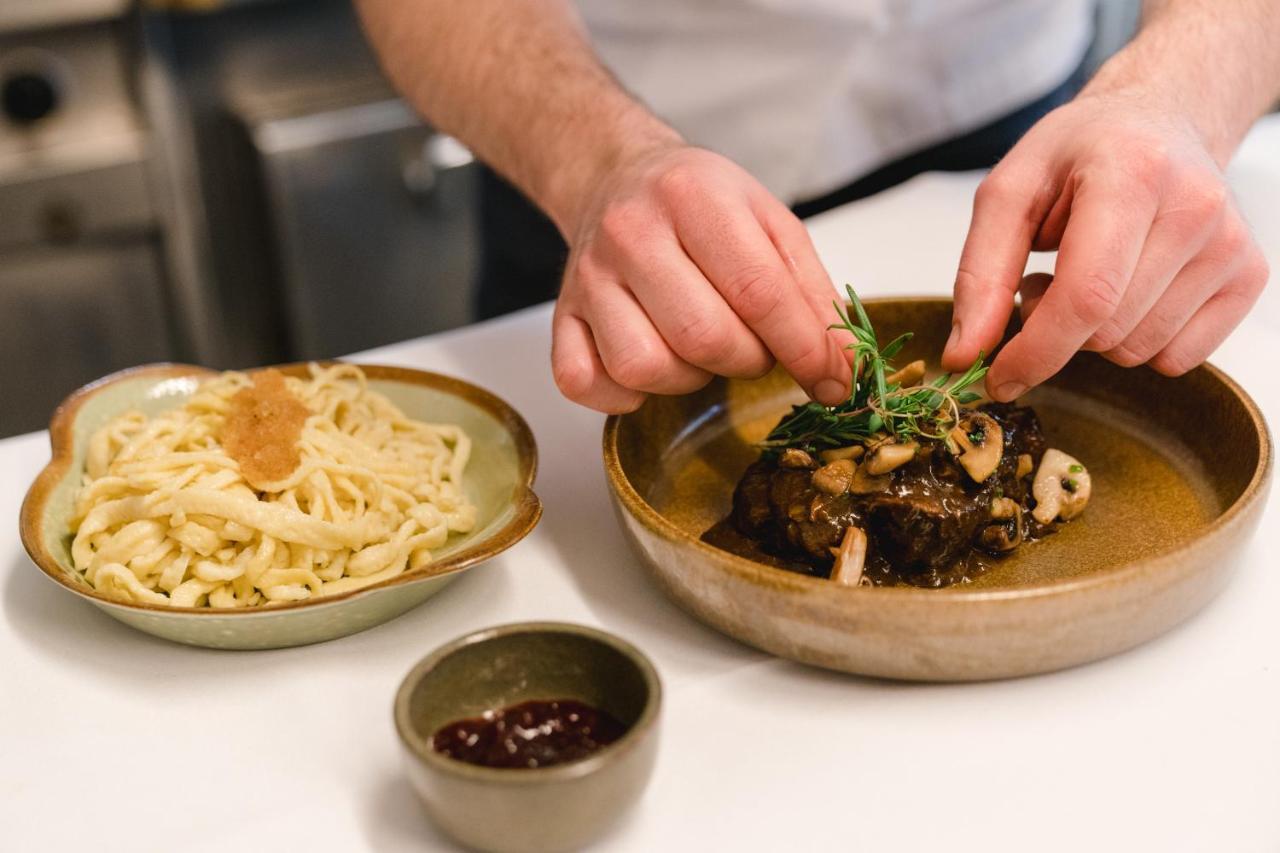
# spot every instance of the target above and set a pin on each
(438, 153)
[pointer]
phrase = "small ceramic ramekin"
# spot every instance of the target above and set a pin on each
(561, 807)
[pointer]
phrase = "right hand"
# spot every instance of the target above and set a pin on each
(682, 266)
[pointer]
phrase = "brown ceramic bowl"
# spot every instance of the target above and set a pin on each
(561, 807)
(1180, 467)
(499, 481)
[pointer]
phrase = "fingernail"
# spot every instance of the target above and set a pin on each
(829, 392)
(954, 340)
(1010, 391)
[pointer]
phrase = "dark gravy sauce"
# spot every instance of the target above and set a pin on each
(878, 571)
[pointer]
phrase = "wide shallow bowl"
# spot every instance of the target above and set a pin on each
(499, 480)
(1180, 468)
(562, 807)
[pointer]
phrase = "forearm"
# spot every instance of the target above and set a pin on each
(1215, 63)
(518, 83)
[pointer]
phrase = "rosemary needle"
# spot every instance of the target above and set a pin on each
(874, 404)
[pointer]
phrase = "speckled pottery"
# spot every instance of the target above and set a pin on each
(563, 807)
(1181, 470)
(499, 481)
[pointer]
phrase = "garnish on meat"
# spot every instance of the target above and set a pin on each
(903, 483)
(883, 403)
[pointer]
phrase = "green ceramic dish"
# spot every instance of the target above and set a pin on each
(1180, 468)
(532, 811)
(499, 481)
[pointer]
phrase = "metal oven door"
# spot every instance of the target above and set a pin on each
(71, 315)
(82, 289)
(373, 222)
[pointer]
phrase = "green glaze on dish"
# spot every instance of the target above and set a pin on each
(499, 480)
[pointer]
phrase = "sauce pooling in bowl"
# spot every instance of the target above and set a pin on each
(539, 733)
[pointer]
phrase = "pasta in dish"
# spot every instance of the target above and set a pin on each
(263, 489)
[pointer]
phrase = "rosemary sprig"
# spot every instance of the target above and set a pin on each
(875, 404)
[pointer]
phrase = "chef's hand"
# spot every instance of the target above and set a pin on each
(1155, 263)
(681, 267)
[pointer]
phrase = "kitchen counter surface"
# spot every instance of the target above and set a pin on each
(112, 740)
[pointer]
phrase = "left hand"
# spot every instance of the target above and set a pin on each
(1156, 264)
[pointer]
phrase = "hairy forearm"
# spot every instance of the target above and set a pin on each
(518, 83)
(1215, 62)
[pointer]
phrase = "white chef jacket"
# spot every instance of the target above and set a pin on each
(808, 95)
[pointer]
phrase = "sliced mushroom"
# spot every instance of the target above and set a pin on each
(907, 375)
(834, 477)
(851, 557)
(795, 458)
(978, 441)
(1001, 537)
(889, 456)
(853, 451)
(876, 439)
(866, 483)
(1025, 464)
(1061, 487)
(1004, 508)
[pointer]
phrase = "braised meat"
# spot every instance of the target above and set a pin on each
(921, 518)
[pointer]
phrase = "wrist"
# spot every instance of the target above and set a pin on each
(1159, 110)
(572, 183)
(1196, 67)
(1141, 84)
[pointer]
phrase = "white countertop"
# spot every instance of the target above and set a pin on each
(112, 740)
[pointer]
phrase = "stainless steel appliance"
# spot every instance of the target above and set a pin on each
(371, 218)
(82, 282)
(333, 219)
(232, 186)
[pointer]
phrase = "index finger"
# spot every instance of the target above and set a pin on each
(1100, 247)
(731, 248)
(794, 245)
(995, 254)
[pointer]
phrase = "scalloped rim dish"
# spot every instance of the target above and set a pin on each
(528, 509)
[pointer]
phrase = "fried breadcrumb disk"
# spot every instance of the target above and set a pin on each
(263, 427)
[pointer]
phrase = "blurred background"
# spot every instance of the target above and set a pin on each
(225, 183)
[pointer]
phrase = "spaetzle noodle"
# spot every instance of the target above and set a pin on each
(167, 515)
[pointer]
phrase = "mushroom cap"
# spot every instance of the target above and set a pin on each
(1025, 465)
(907, 375)
(834, 477)
(981, 456)
(1001, 536)
(889, 456)
(1061, 487)
(853, 451)
(1004, 508)
(793, 457)
(866, 483)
